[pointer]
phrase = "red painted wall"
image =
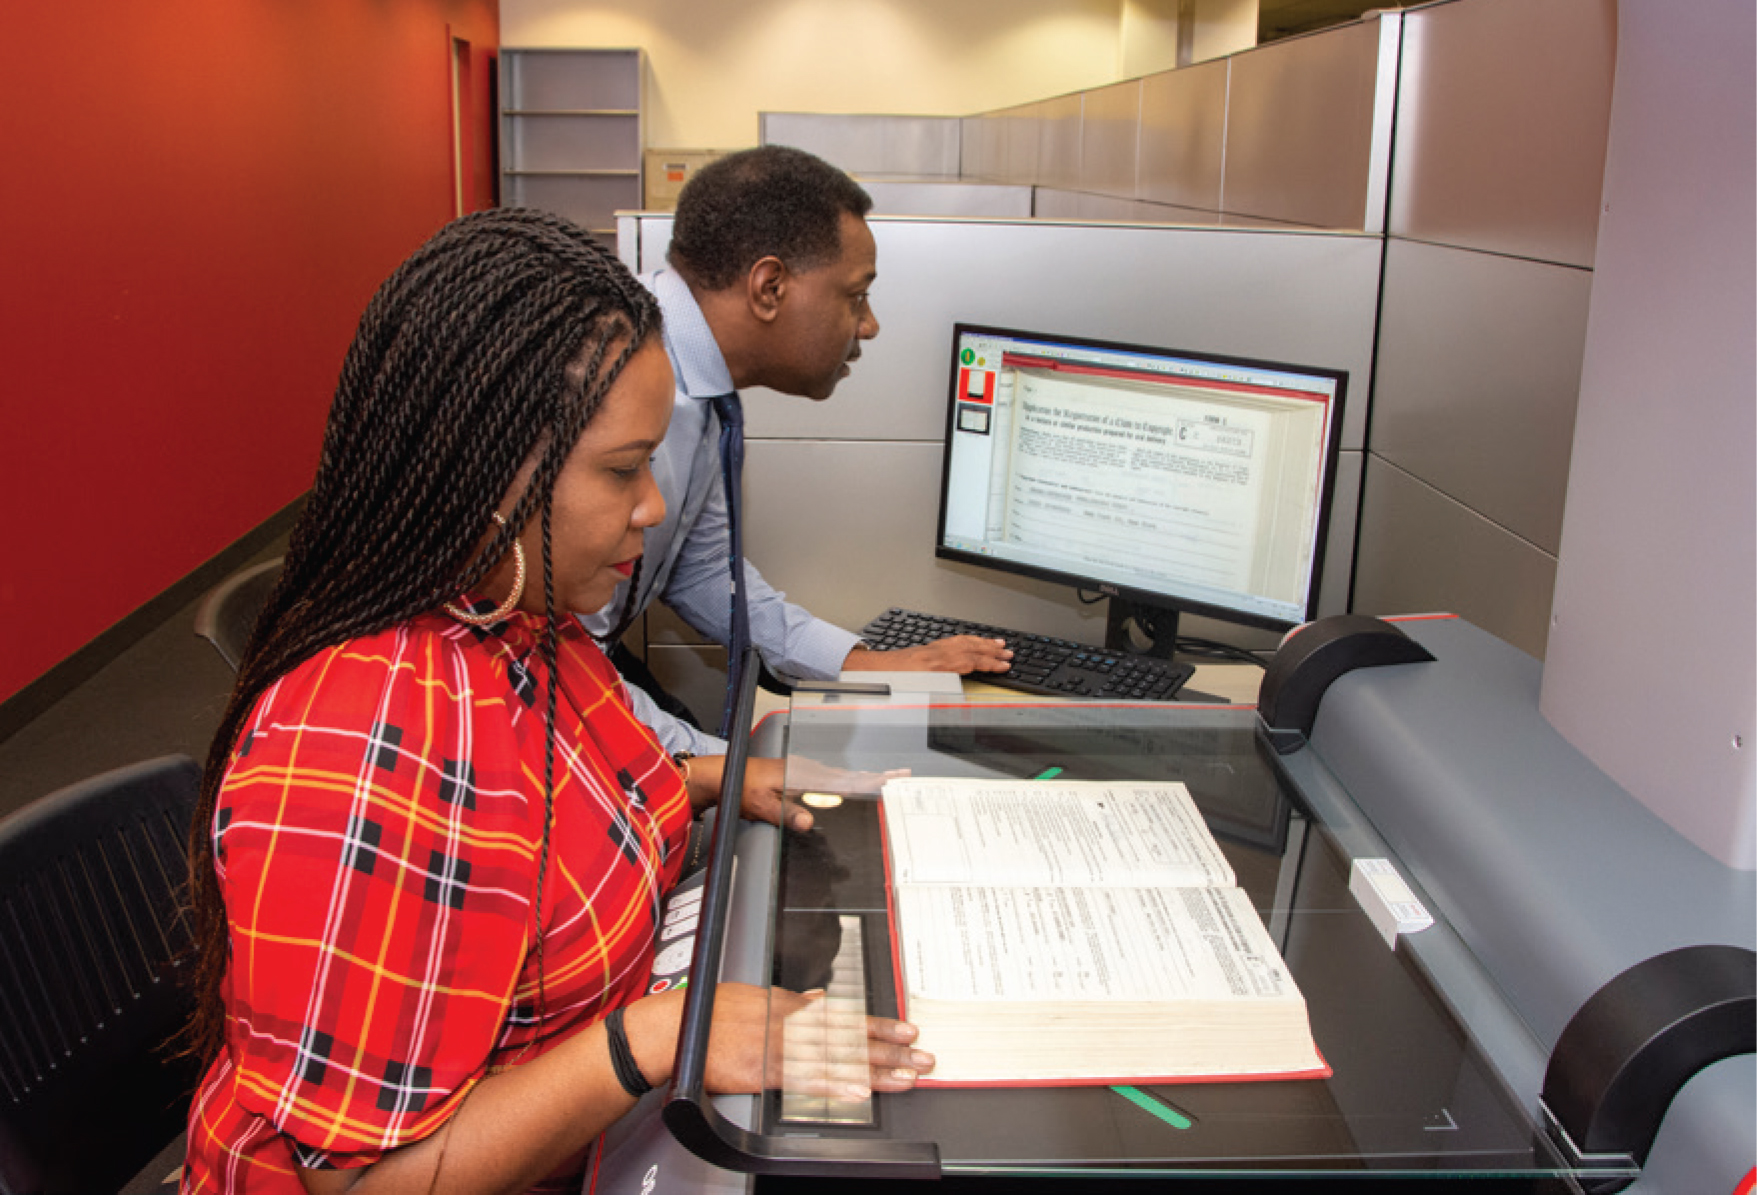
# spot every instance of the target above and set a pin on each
(197, 199)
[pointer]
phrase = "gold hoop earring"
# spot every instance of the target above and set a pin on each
(499, 613)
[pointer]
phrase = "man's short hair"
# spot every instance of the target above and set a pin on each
(774, 201)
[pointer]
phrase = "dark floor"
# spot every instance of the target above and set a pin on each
(163, 695)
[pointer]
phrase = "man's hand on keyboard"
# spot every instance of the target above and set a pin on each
(962, 654)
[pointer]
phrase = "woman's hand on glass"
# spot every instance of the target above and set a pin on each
(762, 798)
(776, 1039)
(771, 790)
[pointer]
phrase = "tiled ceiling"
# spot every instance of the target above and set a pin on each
(1284, 18)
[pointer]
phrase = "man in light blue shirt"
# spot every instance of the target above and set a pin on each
(771, 262)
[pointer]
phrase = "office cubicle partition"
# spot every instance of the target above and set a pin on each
(870, 144)
(1296, 132)
(1494, 211)
(1496, 111)
(842, 496)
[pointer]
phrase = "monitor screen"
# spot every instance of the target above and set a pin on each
(1171, 479)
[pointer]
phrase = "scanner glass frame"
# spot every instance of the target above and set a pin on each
(1414, 1092)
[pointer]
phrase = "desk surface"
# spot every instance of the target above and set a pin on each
(1412, 1093)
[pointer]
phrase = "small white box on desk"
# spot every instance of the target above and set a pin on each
(940, 684)
(1387, 899)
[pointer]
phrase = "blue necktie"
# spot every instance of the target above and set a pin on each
(731, 414)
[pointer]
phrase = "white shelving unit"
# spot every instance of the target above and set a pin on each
(570, 133)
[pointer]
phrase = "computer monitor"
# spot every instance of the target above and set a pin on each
(1171, 481)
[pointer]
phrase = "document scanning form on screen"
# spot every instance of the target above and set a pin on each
(1179, 476)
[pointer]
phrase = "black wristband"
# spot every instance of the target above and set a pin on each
(628, 1072)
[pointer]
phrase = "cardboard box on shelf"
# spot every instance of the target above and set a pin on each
(667, 170)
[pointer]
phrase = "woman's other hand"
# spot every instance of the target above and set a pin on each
(767, 785)
(763, 797)
(770, 1038)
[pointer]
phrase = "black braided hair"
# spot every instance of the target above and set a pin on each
(459, 374)
(773, 201)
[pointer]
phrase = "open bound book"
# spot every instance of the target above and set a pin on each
(1068, 932)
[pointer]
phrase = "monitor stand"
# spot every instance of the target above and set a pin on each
(1153, 633)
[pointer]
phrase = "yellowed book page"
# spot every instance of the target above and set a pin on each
(1086, 945)
(1048, 832)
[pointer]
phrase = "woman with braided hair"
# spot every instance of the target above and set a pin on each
(432, 839)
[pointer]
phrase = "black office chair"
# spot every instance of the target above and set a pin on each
(229, 611)
(94, 958)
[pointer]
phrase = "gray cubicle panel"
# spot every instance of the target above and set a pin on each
(1059, 135)
(1183, 136)
(1478, 376)
(1422, 550)
(1306, 139)
(843, 495)
(1303, 297)
(1294, 132)
(1473, 425)
(1517, 167)
(1494, 215)
(948, 197)
(1110, 137)
(869, 143)
(1018, 148)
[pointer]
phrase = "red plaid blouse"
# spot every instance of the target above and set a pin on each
(377, 840)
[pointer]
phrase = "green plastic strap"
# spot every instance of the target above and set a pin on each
(1153, 1107)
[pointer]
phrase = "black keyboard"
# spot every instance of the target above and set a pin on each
(1054, 667)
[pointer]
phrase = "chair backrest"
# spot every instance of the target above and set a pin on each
(94, 954)
(229, 611)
